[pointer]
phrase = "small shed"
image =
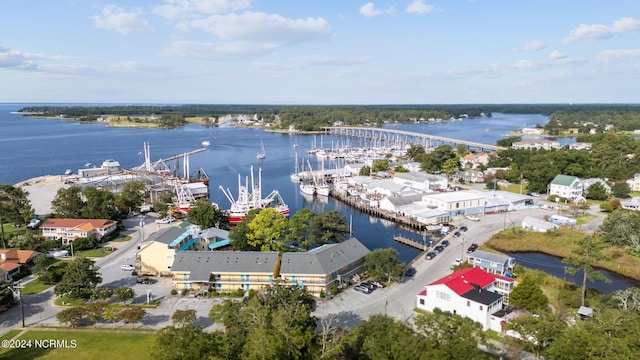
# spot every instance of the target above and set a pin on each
(585, 312)
(539, 225)
(563, 220)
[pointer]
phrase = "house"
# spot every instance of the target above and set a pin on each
(468, 175)
(536, 144)
(631, 204)
(316, 270)
(471, 293)
(12, 261)
(421, 181)
(457, 202)
(411, 206)
(566, 186)
(634, 183)
(585, 312)
(539, 225)
(492, 263)
(586, 184)
(157, 253)
(498, 201)
(580, 146)
(68, 230)
(474, 161)
(214, 238)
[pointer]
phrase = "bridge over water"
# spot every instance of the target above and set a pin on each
(401, 138)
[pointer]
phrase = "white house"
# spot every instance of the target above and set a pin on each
(566, 186)
(586, 183)
(421, 181)
(631, 204)
(471, 293)
(536, 144)
(456, 202)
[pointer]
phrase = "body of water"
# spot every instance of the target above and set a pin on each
(554, 266)
(31, 147)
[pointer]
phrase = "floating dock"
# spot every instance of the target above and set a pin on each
(412, 243)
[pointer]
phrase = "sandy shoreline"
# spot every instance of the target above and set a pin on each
(41, 191)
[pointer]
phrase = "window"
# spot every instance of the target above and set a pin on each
(481, 308)
(421, 301)
(468, 303)
(443, 296)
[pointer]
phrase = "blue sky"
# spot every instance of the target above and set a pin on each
(320, 52)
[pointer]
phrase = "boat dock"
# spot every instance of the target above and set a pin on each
(412, 243)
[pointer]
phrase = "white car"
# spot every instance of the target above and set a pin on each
(473, 218)
(127, 267)
(167, 220)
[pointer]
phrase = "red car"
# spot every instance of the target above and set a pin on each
(472, 248)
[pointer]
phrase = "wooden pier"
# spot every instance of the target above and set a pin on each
(412, 243)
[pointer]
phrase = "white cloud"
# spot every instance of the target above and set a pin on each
(271, 30)
(215, 51)
(532, 46)
(317, 60)
(607, 56)
(556, 55)
(369, 10)
(174, 9)
(419, 7)
(115, 18)
(16, 60)
(622, 26)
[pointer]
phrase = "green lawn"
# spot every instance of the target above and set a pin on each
(122, 239)
(97, 252)
(9, 334)
(34, 287)
(88, 345)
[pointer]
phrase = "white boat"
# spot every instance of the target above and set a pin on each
(322, 190)
(261, 155)
(249, 199)
(68, 172)
(295, 177)
(307, 188)
(206, 143)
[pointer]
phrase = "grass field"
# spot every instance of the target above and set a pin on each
(560, 244)
(88, 345)
(97, 252)
(34, 287)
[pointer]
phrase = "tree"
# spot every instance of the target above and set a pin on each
(238, 234)
(80, 278)
(124, 293)
(132, 196)
(450, 165)
(536, 332)
(597, 191)
(621, 190)
(587, 252)
(182, 318)
(6, 295)
(102, 293)
(329, 227)
(187, 342)
(622, 228)
(100, 204)
(450, 336)
(528, 295)
(380, 165)
(41, 264)
(68, 203)
(206, 215)
(95, 310)
(27, 241)
(72, 316)
(84, 243)
(382, 337)
(112, 313)
(365, 171)
(300, 225)
(132, 315)
(14, 205)
(383, 263)
(266, 230)
(160, 205)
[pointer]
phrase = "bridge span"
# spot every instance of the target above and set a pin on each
(400, 138)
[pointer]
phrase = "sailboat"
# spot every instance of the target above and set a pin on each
(295, 177)
(322, 188)
(261, 155)
(307, 184)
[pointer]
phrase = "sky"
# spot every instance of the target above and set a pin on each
(320, 52)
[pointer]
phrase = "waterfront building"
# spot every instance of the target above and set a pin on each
(421, 181)
(456, 203)
(566, 186)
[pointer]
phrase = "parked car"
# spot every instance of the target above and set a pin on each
(146, 280)
(34, 223)
(473, 218)
(362, 289)
(444, 243)
(456, 262)
(463, 228)
(430, 243)
(456, 234)
(438, 249)
(472, 248)
(167, 220)
(127, 267)
(369, 285)
(430, 255)
(378, 284)
(410, 272)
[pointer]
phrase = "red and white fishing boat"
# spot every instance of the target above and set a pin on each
(250, 197)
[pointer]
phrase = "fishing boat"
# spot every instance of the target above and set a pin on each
(261, 155)
(250, 197)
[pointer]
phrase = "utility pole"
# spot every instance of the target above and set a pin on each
(4, 244)
(17, 286)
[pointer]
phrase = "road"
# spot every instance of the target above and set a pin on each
(347, 308)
